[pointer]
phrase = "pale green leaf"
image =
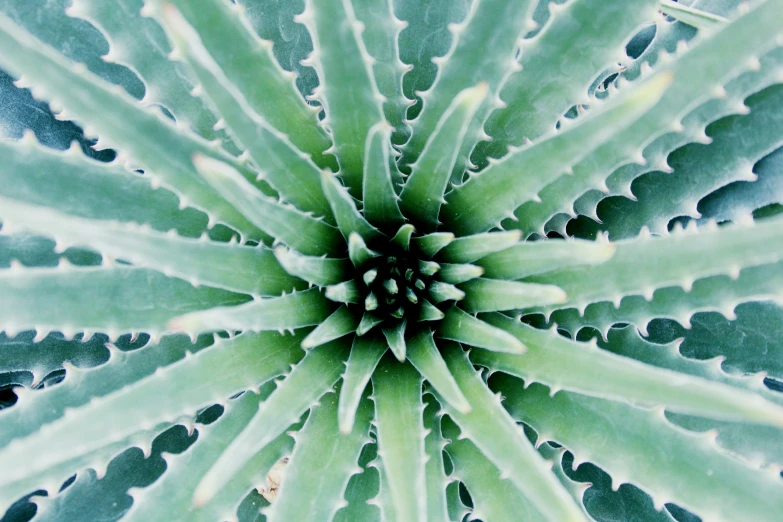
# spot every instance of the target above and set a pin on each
(561, 363)
(290, 171)
(251, 270)
(221, 370)
(342, 322)
(503, 442)
(365, 354)
(395, 337)
(290, 311)
(467, 249)
(636, 445)
(308, 380)
(110, 299)
(583, 38)
(542, 162)
(302, 232)
(381, 207)
(424, 355)
(465, 328)
(319, 271)
(422, 194)
(148, 138)
(248, 64)
(322, 463)
(348, 91)
(400, 429)
(534, 257)
(489, 295)
(349, 219)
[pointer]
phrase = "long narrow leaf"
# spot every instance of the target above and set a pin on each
(503, 442)
(222, 370)
(308, 381)
(290, 311)
(400, 431)
(627, 441)
(348, 90)
(366, 352)
(113, 300)
(584, 368)
(149, 139)
(252, 270)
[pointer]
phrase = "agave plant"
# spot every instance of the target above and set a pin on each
(393, 311)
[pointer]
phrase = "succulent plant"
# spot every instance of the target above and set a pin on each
(394, 260)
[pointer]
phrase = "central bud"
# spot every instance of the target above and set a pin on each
(395, 283)
(394, 286)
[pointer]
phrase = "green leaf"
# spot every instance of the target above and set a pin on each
(561, 363)
(322, 463)
(468, 249)
(222, 370)
(738, 142)
(400, 429)
(403, 236)
(424, 355)
(148, 138)
(251, 270)
(494, 496)
(380, 175)
(290, 311)
(435, 475)
(457, 273)
(365, 354)
(348, 91)
(430, 244)
(395, 337)
(308, 380)
(719, 59)
(489, 295)
(141, 44)
(757, 444)
(368, 322)
(422, 194)
(465, 328)
(349, 219)
(691, 16)
(291, 172)
(582, 38)
(544, 161)
(346, 292)
(340, 323)
(503, 442)
(483, 49)
(440, 292)
(250, 67)
(358, 251)
(718, 293)
(642, 265)
(670, 464)
(45, 405)
(72, 183)
(319, 271)
(171, 496)
(534, 257)
(110, 299)
(302, 232)
(381, 33)
(429, 312)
